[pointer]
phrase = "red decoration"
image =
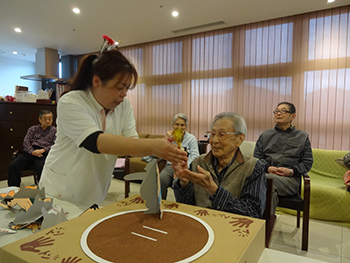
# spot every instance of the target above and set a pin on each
(10, 98)
(110, 41)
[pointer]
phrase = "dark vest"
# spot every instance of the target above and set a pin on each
(234, 178)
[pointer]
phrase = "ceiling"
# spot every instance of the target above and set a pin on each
(52, 23)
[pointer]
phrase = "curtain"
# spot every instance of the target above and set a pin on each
(249, 69)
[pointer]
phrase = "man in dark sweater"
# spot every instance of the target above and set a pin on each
(285, 151)
(36, 145)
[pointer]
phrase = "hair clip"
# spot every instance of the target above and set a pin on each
(108, 44)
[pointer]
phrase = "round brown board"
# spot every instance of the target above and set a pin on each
(177, 237)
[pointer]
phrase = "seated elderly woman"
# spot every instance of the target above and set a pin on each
(224, 179)
(189, 143)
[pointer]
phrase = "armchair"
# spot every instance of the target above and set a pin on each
(298, 203)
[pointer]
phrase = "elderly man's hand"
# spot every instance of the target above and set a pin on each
(272, 170)
(38, 153)
(281, 171)
(203, 178)
(180, 171)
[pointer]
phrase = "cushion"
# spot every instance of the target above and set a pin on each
(120, 163)
(143, 135)
(155, 136)
(137, 165)
(247, 148)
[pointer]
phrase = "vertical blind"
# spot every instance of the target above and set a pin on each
(249, 69)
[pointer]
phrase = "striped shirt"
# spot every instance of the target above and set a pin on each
(38, 138)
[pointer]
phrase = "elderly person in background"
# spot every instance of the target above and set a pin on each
(224, 179)
(189, 144)
(285, 152)
(36, 146)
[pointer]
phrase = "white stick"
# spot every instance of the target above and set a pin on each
(143, 236)
(160, 231)
(10, 231)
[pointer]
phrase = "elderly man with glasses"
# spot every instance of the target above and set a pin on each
(285, 152)
(224, 179)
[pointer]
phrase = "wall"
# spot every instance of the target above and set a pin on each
(10, 72)
(249, 69)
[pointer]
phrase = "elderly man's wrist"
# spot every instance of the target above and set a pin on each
(212, 189)
(183, 183)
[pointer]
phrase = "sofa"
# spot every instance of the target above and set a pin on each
(329, 198)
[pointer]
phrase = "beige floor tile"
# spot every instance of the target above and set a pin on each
(346, 244)
(324, 238)
(308, 254)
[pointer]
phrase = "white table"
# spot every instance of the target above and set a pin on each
(8, 216)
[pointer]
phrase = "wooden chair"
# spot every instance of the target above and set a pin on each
(202, 147)
(269, 218)
(31, 169)
(298, 203)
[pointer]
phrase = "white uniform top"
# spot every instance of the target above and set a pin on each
(74, 173)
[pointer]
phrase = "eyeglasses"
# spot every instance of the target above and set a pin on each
(221, 135)
(281, 111)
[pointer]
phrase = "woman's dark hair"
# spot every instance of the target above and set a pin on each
(105, 66)
(291, 106)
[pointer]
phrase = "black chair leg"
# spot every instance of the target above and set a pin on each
(127, 189)
(35, 179)
(305, 233)
(298, 218)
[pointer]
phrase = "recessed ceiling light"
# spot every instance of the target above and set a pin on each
(18, 30)
(14, 52)
(175, 13)
(76, 10)
(330, 1)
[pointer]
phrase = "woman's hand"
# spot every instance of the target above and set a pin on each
(169, 134)
(163, 148)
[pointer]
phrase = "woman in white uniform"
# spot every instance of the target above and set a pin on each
(95, 123)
